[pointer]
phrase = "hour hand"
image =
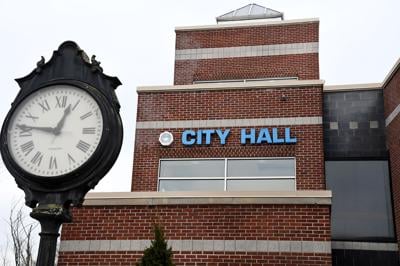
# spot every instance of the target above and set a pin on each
(45, 129)
(60, 124)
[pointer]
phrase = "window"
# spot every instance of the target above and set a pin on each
(361, 203)
(266, 174)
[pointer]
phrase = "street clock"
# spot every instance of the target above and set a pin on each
(62, 134)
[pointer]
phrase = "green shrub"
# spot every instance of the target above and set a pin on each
(158, 253)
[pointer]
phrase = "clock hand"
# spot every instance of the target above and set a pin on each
(60, 124)
(45, 129)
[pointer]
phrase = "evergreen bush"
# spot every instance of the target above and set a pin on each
(158, 254)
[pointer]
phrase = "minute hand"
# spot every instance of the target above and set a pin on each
(45, 129)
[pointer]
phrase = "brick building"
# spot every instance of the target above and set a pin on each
(248, 159)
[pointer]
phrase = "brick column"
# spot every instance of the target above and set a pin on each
(391, 93)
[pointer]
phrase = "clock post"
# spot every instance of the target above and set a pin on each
(50, 217)
(62, 134)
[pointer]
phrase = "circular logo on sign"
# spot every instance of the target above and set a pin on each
(166, 138)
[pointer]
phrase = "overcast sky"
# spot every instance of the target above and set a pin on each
(135, 40)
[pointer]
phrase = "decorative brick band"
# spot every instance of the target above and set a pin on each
(279, 121)
(247, 51)
(200, 245)
(392, 115)
(365, 246)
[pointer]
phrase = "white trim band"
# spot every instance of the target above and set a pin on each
(365, 246)
(314, 197)
(392, 115)
(200, 245)
(281, 121)
(272, 84)
(391, 73)
(352, 87)
(253, 23)
(247, 51)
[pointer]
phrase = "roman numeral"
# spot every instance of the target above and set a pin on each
(86, 115)
(45, 106)
(88, 130)
(70, 159)
(27, 147)
(25, 132)
(83, 146)
(61, 101)
(29, 115)
(53, 163)
(37, 158)
(73, 108)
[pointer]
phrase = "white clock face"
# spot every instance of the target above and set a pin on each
(55, 130)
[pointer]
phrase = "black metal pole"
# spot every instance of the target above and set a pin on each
(51, 217)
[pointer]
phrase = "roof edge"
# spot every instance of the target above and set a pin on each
(352, 87)
(243, 25)
(232, 85)
(391, 73)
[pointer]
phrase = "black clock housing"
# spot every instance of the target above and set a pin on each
(69, 65)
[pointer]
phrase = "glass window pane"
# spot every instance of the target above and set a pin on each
(191, 185)
(260, 168)
(261, 184)
(192, 168)
(361, 202)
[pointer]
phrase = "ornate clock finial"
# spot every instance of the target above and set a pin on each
(40, 64)
(96, 64)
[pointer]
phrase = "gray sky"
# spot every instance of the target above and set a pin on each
(135, 40)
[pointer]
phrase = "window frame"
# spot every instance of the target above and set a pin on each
(226, 178)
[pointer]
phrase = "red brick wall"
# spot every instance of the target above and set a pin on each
(216, 222)
(308, 152)
(197, 258)
(303, 66)
(241, 222)
(267, 222)
(247, 36)
(230, 104)
(391, 95)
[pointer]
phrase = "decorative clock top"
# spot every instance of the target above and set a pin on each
(55, 130)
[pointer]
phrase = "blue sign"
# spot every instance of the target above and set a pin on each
(247, 136)
(190, 137)
(265, 136)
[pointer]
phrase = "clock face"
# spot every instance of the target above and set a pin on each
(55, 130)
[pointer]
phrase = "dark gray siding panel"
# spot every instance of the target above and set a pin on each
(360, 122)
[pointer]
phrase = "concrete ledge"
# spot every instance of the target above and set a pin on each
(205, 245)
(315, 197)
(365, 246)
(248, 24)
(391, 73)
(275, 84)
(353, 87)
